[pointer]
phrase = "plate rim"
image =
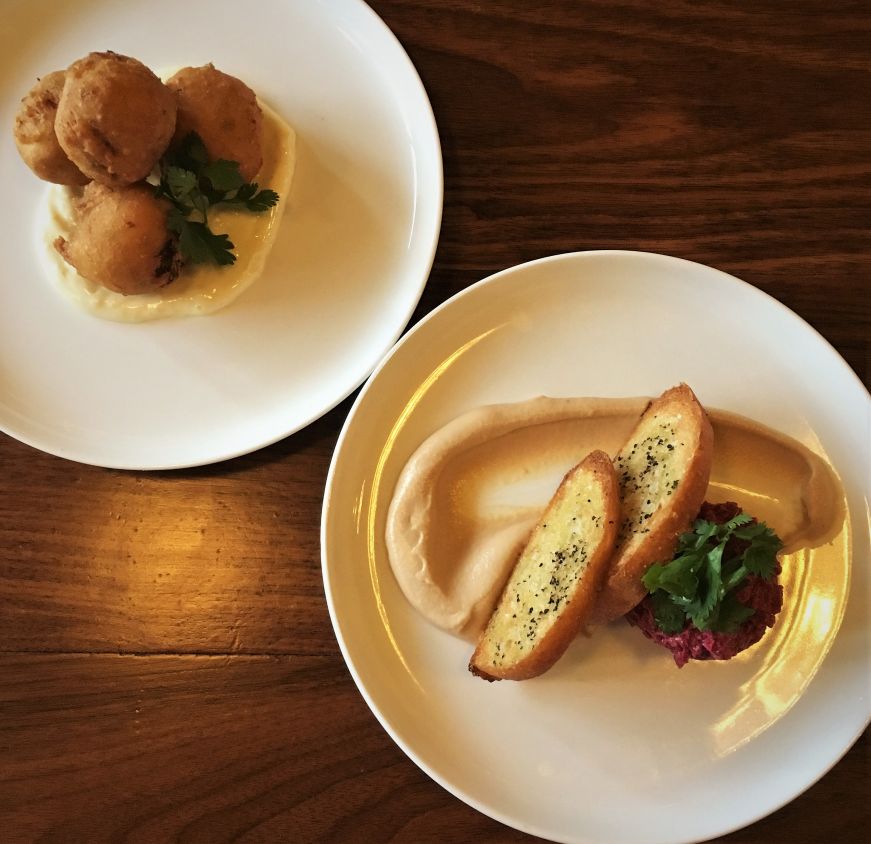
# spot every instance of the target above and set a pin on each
(428, 248)
(326, 515)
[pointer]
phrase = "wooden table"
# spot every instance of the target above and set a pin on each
(168, 665)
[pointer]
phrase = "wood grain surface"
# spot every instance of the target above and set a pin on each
(167, 666)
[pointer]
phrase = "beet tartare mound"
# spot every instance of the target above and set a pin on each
(735, 596)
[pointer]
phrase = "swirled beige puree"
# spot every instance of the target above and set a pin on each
(468, 497)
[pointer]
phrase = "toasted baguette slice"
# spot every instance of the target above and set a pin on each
(663, 472)
(555, 581)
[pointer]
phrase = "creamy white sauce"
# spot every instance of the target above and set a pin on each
(198, 290)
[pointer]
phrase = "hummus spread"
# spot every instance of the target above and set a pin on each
(466, 500)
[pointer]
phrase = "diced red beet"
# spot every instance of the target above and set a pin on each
(765, 596)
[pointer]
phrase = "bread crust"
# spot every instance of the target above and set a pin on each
(578, 601)
(622, 588)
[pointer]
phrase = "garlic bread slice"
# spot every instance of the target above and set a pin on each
(553, 585)
(663, 472)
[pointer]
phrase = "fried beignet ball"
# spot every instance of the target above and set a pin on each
(120, 239)
(223, 111)
(115, 118)
(35, 136)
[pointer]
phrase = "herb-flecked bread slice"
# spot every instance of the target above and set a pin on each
(663, 472)
(554, 583)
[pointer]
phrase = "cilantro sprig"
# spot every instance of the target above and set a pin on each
(193, 185)
(701, 586)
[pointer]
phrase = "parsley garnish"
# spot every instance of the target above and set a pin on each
(701, 586)
(193, 185)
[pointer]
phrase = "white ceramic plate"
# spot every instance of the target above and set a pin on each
(614, 744)
(353, 255)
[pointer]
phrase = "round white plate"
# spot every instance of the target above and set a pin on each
(352, 257)
(614, 744)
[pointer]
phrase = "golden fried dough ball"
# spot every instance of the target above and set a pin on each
(35, 137)
(115, 118)
(120, 239)
(223, 111)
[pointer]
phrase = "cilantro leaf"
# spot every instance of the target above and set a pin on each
(735, 578)
(180, 183)
(193, 185)
(760, 558)
(190, 154)
(701, 532)
(224, 176)
(710, 585)
(735, 522)
(199, 244)
(262, 201)
(669, 617)
(201, 204)
(175, 220)
(700, 586)
(253, 200)
(677, 577)
(731, 615)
